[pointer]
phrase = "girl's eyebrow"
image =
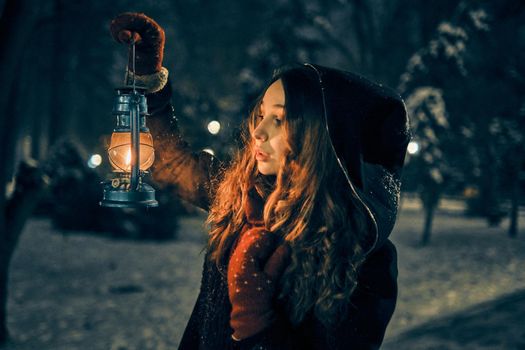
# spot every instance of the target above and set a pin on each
(275, 105)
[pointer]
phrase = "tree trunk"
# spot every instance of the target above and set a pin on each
(491, 190)
(59, 102)
(6, 252)
(16, 25)
(30, 184)
(515, 195)
(18, 17)
(427, 226)
(4, 268)
(429, 196)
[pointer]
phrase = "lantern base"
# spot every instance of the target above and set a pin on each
(118, 198)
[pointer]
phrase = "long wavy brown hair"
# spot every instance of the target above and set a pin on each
(308, 205)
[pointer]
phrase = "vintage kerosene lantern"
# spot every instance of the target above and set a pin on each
(130, 151)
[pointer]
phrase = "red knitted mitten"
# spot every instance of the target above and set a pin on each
(149, 38)
(253, 270)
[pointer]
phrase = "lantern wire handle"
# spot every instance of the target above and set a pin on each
(135, 131)
(133, 51)
(131, 72)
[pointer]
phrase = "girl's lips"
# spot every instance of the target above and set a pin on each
(261, 155)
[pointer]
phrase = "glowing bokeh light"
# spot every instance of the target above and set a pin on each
(209, 150)
(413, 147)
(214, 127)
(94, 161)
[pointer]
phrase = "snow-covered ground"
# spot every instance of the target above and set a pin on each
(79, 291)
(465, 264)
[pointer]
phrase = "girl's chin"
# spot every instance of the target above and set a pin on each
(265, 169)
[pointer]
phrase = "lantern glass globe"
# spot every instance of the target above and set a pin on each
(120, 151)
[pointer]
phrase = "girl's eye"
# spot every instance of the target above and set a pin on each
(276, 120)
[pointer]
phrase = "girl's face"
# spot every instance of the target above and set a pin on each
(268, 135)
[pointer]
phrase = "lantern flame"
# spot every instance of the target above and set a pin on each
(128, 157)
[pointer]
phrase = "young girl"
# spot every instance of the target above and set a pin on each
(298, 255)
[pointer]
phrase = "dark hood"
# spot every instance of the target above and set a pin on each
(369, 131)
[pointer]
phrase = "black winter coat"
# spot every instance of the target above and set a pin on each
(373, 303)
(195, 176)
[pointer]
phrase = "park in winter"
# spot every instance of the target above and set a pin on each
(288, 174)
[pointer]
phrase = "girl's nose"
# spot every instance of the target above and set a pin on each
(260, 134)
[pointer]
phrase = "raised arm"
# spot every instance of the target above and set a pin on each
(191, 175)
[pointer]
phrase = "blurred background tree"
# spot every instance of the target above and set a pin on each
(483, 93)
(429, 124)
